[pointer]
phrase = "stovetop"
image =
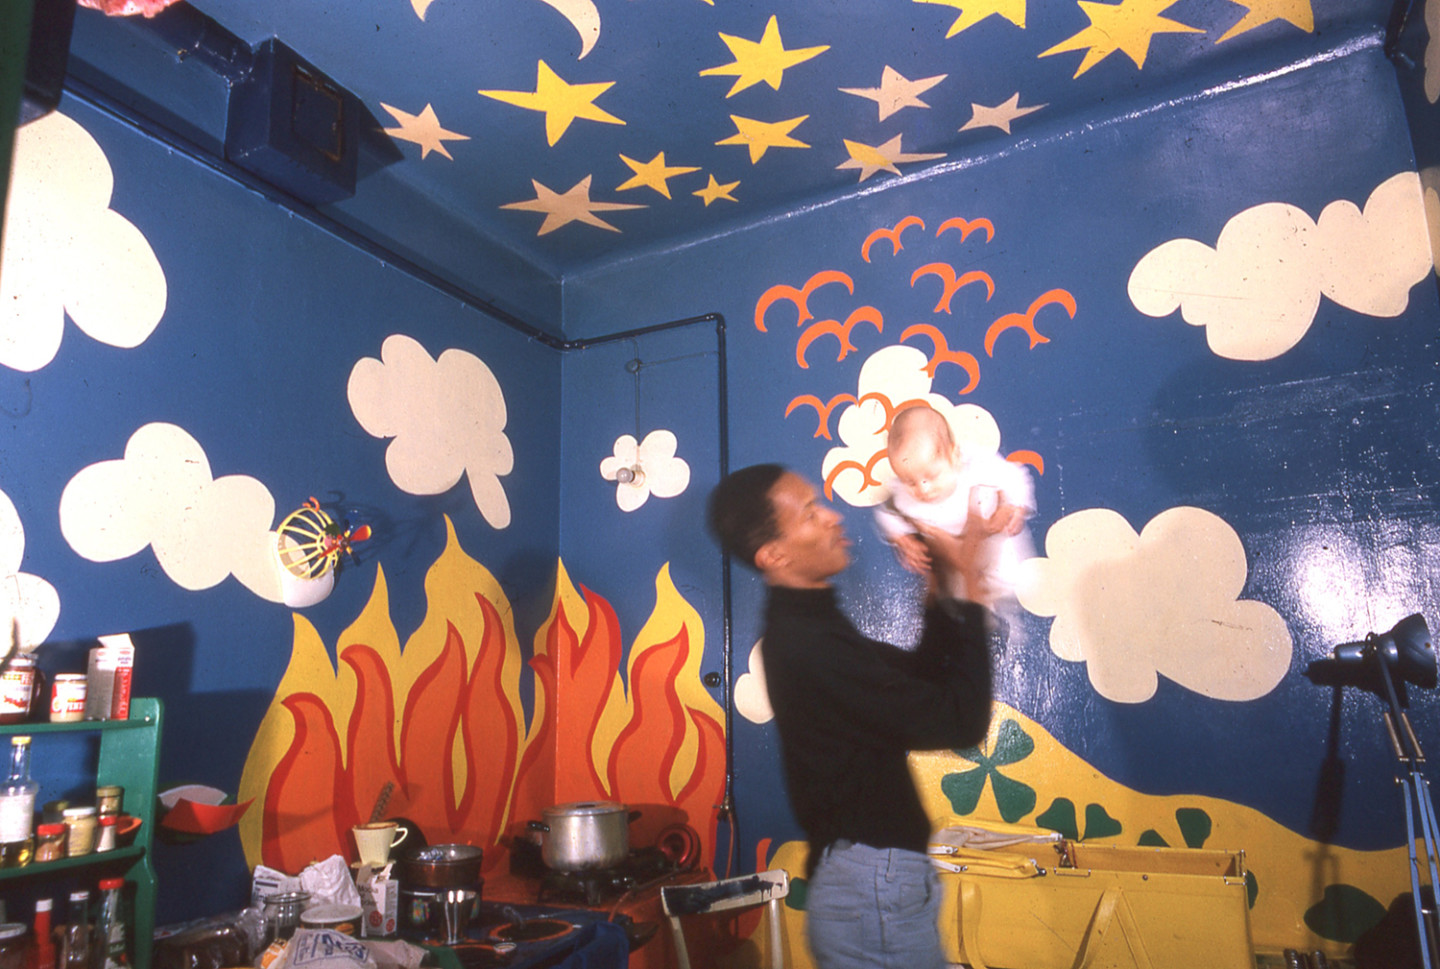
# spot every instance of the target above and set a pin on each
(643, 867)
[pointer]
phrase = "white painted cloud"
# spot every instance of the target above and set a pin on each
(896, 374)
(752, 696)
(162, 494)
(1432, 51)
(447, 418)
(66, 251)
(1257, 292)
(1164, 602)
(661, 473)
(26, 600)
(1430, 183)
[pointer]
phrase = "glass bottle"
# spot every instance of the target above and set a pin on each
(17, 808)
(110, 927)
(75, 945)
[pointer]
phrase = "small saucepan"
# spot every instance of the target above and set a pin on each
(585, 835)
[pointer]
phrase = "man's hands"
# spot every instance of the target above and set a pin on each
(958, 555)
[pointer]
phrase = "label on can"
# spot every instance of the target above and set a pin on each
(16, 687)
(67, 698)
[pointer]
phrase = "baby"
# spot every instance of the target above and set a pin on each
(937, 486)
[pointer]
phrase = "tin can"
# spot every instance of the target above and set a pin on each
(67, 698)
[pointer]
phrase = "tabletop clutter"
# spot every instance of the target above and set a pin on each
(333, 914)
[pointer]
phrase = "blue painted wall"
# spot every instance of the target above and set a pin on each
(266, 316)
(1320, 458)
(1323, 454)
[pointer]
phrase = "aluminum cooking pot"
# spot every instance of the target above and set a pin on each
(441, 866)
(585, 835)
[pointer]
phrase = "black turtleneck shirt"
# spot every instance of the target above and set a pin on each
(849, 709)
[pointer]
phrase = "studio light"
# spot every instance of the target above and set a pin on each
(1384, 663)
(1375, 662)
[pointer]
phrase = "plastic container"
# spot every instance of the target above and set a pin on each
(341, 918)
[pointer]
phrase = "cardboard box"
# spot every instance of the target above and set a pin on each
(380, 905)
(107, 680)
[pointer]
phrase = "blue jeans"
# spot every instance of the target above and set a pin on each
(874, 908)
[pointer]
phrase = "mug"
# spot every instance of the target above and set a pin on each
(374, 841)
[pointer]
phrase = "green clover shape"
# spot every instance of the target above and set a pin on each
(1014, 798)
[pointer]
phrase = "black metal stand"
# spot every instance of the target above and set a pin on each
(1418, 808)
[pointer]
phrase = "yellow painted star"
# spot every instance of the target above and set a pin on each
(873, 158)
(765, 60)
(715, 191)
(423, 129)
(652, 173)
(999, 116)
(761, 136)
(1126, 26)
(1258, 12)
(974, 11)
(573, 206)
(561, 102)
(896, 91)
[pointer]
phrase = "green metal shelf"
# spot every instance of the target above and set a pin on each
(101, 859)
(130, 757)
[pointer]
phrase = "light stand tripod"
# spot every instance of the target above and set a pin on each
(1418, 807)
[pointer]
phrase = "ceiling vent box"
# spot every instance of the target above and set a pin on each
(294, 127)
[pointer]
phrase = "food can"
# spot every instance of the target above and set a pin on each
(67, 698)
(17, 689)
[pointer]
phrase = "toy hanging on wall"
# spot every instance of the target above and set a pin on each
(309, 544)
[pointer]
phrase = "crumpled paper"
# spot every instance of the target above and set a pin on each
(329, 882)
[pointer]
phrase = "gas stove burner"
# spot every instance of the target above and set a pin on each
(595, 885)
(532, 930)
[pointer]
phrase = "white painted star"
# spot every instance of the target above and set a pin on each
(572, 206)
(873, 158)
(999, 116)
(423, 129)
(896, 91)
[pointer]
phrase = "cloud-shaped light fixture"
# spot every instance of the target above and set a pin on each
(647, 468)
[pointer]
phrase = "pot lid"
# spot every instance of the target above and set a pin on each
(584, 809)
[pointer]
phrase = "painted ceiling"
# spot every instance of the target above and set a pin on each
(580, 132)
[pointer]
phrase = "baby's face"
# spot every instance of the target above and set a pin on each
(926, 468)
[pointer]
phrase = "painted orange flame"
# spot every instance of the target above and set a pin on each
(462, 764)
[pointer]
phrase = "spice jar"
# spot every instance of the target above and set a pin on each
(109, 799)
(50, 842)
(67, 698)
(80, 827)
(105, 838)
(17, 688)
